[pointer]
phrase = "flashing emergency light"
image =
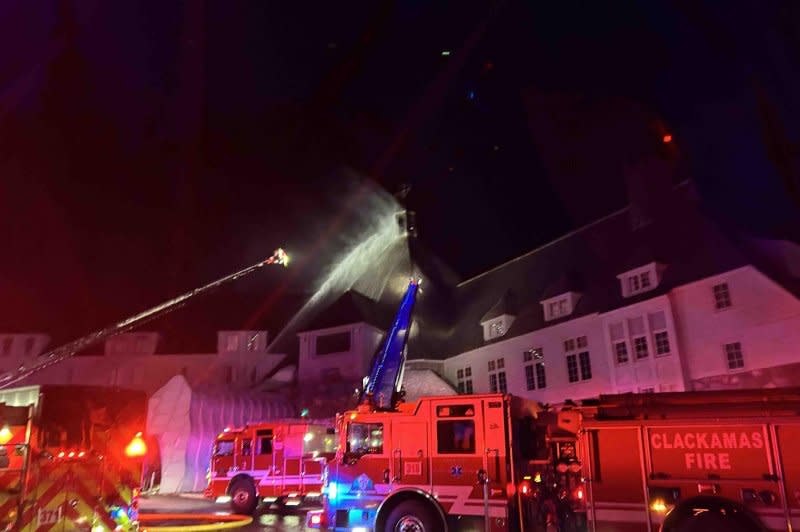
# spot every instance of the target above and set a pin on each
(316, 519)
(308, 437)
(5, 435)
(137, 447)
(658, 506)
(525, 488)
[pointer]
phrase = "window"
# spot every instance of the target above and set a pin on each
(722, 296)
(621, 352)
(640, 347)
(532, 354)
(530, 381)
(639, 280)
(501, 382)
(456, 436)
(247, 447)
(662, 343)
(252, 342)
(541, 378)
(557, 308)
(365, 438)
(497, 381)
(464, 380)
(572, 368)
(264, 441)
(535, 376)
(586, 365)
(496, 329)
(579, 365)
(224, 448)
(232, 343)
(333, 343)
(733, 352)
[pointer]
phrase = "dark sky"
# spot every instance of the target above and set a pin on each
(147, 147)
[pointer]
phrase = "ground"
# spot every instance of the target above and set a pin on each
(266, 519)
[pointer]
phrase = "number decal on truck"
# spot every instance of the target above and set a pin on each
(49, 516)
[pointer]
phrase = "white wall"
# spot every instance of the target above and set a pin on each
(551, 341)
(763, 316)
(351, 364)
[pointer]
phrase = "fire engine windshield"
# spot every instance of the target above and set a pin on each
(365, 438)
(91, 418)
(224, 448)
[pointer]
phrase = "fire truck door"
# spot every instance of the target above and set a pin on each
(244, 455)
(495, 441)
(410, 453)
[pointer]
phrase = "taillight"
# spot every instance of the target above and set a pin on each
(579, 494)
(525, 488)
(137, 447)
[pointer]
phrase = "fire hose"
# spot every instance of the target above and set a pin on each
(209, 522)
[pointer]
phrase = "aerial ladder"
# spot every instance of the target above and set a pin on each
(68, 350)
(382, 390)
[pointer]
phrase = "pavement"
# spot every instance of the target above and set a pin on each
(272, 518)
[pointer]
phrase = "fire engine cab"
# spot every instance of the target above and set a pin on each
(278, 462)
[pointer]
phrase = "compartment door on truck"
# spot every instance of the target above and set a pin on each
(410, 456)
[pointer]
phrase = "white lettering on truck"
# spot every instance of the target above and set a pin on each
(693, 441)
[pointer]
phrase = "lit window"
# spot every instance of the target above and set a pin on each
(733, 352)
(621, 352)
(496, 329)
(251, 343)
(640, 347)
(722, 296)
(662, 343)
(365, 438)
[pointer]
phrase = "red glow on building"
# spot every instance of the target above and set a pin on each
(667, 139)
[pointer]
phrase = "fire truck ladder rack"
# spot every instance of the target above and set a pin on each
(61, 353)
(382, 389)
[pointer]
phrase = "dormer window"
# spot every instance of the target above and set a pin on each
(496, 327)
(640, 280)
(559, 306)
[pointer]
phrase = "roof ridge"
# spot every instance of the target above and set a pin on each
(559, 239)
(546, 245)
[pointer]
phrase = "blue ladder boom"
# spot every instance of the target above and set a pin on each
(384, 381)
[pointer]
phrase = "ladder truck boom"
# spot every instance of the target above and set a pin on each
(382, 390)
(63, 352)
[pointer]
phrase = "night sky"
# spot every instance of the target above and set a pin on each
(147, 147)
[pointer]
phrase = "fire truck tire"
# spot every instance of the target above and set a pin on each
(720, 515)
(243, 497)
(413, 516)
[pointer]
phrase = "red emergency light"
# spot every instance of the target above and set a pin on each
(137, 447)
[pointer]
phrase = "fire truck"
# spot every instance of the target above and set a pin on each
(276, 462)
(708, 461)
(70, 458)
(672, 462)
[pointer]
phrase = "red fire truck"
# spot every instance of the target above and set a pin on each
(276, 462)
(70, 458)
(683, 461)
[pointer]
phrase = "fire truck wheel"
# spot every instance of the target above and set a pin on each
(413, 516)
(243, 497)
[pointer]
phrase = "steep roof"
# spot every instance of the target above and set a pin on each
(589, 260)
